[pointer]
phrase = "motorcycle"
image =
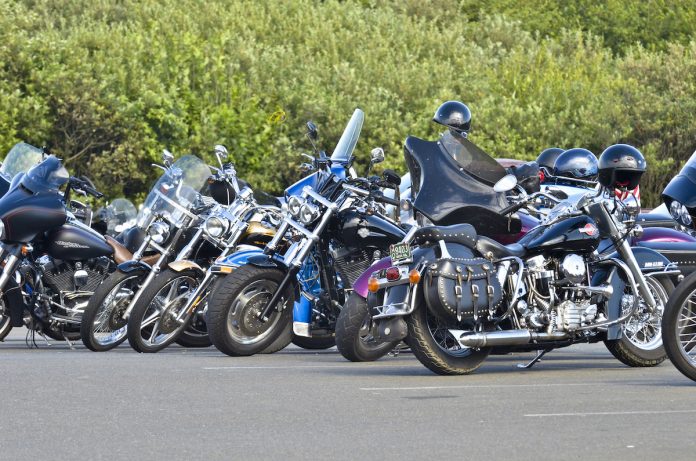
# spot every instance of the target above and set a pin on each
(52, 262)
(166, 232)
(330, 233)
(175, 303)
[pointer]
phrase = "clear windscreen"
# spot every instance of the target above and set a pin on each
(346, 144)
(175, 191)
(121, 214)
(19, 159)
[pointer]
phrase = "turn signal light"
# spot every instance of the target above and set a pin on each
(372, 285)
(414, 276)
(393, 274)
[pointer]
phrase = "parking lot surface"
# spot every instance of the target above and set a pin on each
(578, 403)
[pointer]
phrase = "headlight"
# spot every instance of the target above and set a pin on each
(294, 205)
(680, 213)
(216, 226)
(159, 232)
(308, 213)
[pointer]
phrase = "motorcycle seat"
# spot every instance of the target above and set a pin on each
(489, 247)
(463, 234)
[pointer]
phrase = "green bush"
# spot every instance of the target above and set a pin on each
(108, 84)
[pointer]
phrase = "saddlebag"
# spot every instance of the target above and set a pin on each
(462, 288)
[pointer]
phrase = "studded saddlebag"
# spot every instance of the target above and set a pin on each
(462, 288)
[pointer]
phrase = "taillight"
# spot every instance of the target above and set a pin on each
(393, 274)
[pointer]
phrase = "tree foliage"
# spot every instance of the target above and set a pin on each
(107, 84)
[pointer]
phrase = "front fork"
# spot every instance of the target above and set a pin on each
(624, 249)
(12, 257)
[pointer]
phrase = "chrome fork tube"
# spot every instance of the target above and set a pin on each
(624, 250)
(10, 266)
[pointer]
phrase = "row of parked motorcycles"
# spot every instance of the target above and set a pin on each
(460, 258)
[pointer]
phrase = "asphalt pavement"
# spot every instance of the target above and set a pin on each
(577, 403)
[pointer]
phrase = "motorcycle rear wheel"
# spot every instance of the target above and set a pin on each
(435, 347)
(233, 308)
(102, 315)
(152, 325)
(353, 337)
(679, 327)
(641, 343)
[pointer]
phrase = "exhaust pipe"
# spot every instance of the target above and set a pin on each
(507, 338)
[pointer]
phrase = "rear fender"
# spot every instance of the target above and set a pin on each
(14, 303)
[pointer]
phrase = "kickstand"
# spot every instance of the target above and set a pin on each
(70, 344)
(536, 359)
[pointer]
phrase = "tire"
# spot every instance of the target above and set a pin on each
(196, 333)
(315, 342)
(101, 316)
(635, 350)
(5, 320)
(441, 356)
(153, 315)
(678, 332)
(352, 341)
(231, 299)
(281, 343)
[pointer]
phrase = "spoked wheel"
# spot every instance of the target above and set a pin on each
(103, 326)
(641, 342)
(235, 304)
(679, 327)
(434, 342)
(153, 323)
(353, 336)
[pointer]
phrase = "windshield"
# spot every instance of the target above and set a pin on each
(175, 191)
(19, 159)
(346, 145)
(472, 159)
(121, 214)
(47, 176)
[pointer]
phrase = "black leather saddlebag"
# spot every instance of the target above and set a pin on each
(465, 289)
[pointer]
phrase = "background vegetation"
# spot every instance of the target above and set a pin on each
(107, 84)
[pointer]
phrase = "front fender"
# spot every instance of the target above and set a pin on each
(648, 259)
(253, 256)
(133, 265)
(182, 265)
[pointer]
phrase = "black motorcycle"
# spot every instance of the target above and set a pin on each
(331, 231)
(52, 262)
(458, 294)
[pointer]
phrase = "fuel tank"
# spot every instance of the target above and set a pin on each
(76, 242)
(25, 215)
(358, 230)
(578, 234)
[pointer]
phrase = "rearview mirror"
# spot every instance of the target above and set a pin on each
(221, 151)
(312, 131)
(167, 158)
(506, 183)
(392, 177)
(376, 155)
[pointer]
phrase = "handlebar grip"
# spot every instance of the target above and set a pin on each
(380, 197)
(512, 208)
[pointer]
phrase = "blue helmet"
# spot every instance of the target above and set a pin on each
(576, 163)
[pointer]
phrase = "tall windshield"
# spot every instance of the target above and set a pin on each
(121, 214)
(472, 159)
(175, 191)
(19, 159)
(346, 145)
(47, 176)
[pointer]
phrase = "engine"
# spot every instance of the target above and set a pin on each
(557, 299)
(350, 265)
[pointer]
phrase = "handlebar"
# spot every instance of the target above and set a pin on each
(82, 185)
(512, 208)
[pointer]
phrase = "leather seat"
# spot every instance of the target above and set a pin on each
(121, 253)
(489, 247)
(464, 234)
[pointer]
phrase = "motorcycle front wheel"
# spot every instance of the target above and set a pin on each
(234, 307)
(434, 343)
(153, 324)
(5, 321)
(679, 327)
(353, 337)
(103, 326)
(641, 343)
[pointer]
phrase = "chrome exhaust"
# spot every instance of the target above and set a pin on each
(508, 338)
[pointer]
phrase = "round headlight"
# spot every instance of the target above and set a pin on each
(216, 226)
(680, 213)
(308, 213)
(159, 232)
(294, 205)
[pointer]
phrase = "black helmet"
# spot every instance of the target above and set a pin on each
(621, 166)
(454, 115)
(547, 158)
(576, 163)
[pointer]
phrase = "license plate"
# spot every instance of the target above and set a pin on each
(400, 252)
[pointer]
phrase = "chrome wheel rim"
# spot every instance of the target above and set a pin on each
(444, 336)
(644, 329)
(243, 325)
(159, 324)
(103, 331)
(685, 329)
